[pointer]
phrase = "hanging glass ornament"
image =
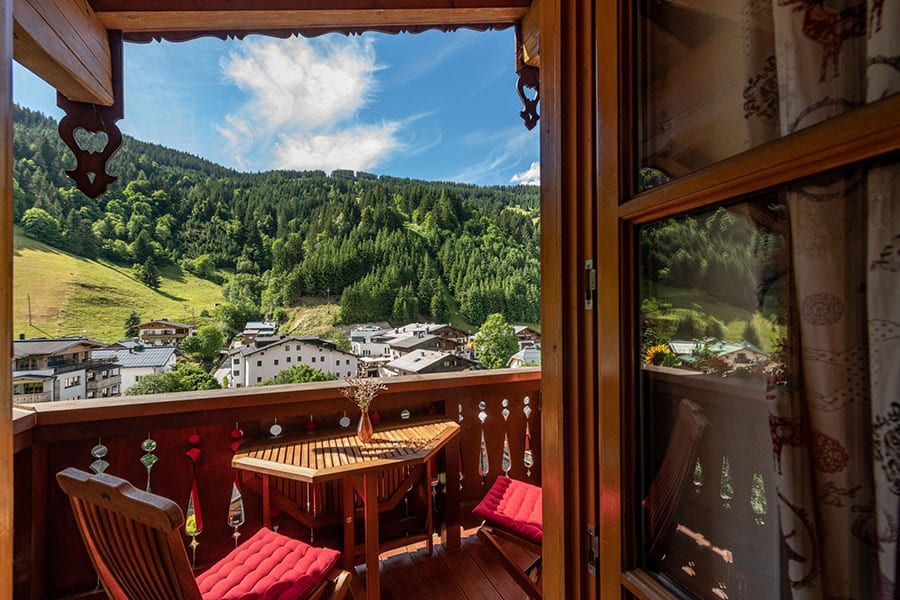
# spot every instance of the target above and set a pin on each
(148, 459)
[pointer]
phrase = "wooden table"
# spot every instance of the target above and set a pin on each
(341, 456)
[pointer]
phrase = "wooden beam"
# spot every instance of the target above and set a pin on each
(531, 35)
(249, 20)
(64, 43)
(6, 302)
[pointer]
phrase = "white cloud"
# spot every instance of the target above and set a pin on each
(303, 106)
(358, 148)
(530, 177)
(504, 153)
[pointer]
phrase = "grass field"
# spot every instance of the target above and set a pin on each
(70, 295)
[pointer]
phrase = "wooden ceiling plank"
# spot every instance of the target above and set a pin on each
(307, 5)
(531, 35)
(64, 43)
(246, 20)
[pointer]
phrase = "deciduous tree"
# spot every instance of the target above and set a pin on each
(495, 342)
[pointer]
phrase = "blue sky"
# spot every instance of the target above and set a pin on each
(434, 106)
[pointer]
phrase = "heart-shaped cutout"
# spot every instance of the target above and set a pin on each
(91, 141)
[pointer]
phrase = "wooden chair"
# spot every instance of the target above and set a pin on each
(512, 514)
(134, 540)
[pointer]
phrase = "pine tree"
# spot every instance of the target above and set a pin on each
(131, 325)
(149, 274)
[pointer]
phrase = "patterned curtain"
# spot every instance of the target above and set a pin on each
(837, 416)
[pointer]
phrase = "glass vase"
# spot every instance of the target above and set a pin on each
(364, 430)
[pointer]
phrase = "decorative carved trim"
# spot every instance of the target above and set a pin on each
(529, 77)
(84, 120)
(145, 37)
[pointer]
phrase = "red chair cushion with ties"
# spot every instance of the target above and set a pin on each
(268, 566)
(515, 506)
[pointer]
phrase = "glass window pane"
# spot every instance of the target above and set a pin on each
(767, 409)
(717, 78)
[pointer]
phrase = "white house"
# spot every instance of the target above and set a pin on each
(266, 357)
(370, 340)
(51, 369)
(136, 360)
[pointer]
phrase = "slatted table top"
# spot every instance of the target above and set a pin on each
(332, 455)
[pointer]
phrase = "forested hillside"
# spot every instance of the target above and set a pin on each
(389, 248)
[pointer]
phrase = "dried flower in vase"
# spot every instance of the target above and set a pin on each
(362, 390)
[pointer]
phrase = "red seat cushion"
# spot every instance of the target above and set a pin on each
(268, 566)
(515, 506)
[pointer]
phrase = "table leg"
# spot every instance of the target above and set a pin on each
(370, 501)
(267, 502)
(348, 514)
(429, 518)
(450, 537)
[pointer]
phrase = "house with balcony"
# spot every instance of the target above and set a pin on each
(163, 332)
(254, 363)
(255, 329)
(726, 161)
(527, 336)
(51, 369)
(136, 360)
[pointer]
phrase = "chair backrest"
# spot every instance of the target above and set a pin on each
(667, 486)
(132, 536)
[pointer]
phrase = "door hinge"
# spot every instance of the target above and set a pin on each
(593, 550)
(590, 284)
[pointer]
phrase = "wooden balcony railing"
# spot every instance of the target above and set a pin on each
(496, 408)
(723, 533)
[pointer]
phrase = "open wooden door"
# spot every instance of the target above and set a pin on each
(570, 299)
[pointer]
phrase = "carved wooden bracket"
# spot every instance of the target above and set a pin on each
(90, 131)
(529, 77)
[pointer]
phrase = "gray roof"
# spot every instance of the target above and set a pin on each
(34, 374)
(529, 356)
(263, 343)
(411, 340)
(419, 359)
(257, 325)
(142, 356)
(47, 346)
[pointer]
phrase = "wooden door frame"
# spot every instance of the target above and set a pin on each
(6, 281)
(570, 358)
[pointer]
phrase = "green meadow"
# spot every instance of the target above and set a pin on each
(70, 295)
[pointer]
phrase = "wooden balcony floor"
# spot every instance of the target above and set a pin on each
(473, 571)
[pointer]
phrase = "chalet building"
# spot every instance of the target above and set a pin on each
(527, 336)
(255, 329)
(371, 340)
(163, 332)
(254, 363)
(459, 336)
(136, 360)
(757, 140)
(421, 362)
(732, 354)
(420, 341)
(51, 369)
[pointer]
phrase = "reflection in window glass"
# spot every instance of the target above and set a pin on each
(769, 410)
(718, 78)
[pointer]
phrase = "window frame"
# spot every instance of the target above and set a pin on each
(870, 131)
